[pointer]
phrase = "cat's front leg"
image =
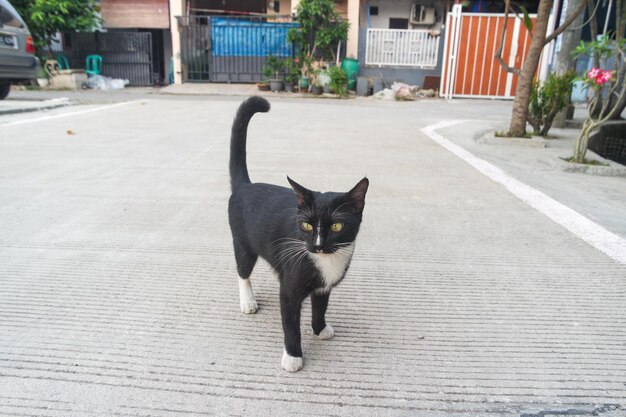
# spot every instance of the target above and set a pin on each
(290, 307)
(319, 304)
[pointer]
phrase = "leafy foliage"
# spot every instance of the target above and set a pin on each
(292, 71)
(274, 66)
(547, 100)
(607, 87)
(338, 80)
(47, 17)
(320, 29)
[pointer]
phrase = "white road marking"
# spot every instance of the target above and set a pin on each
(56, 116)
(597, 236)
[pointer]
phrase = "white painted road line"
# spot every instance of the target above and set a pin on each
(587, 230)
(56, 116)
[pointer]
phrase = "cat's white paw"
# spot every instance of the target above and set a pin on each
(249, 308)
(327, 333)
(246, 297)
(291, 363)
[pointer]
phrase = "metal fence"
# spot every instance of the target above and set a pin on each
(399, 47)
(125, 55)
(229, 48)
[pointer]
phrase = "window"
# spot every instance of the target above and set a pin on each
(396, 23)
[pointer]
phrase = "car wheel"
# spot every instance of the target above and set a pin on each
(4, 90)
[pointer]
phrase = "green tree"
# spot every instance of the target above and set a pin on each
(320, 28)
(607, 88)
(539, 39)
(603, 50)
(47, 17)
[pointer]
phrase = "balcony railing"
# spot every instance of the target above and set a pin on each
(398, 47)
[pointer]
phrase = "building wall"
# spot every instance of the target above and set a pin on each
(411, 76)
(400, 9)
(388, 9)
(144, 14)
(283, 13)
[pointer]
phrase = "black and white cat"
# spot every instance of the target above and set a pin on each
(307, 237)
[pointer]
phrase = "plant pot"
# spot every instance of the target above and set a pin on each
(263, 86)
(327, 89)
(288, 87)
(304, 83)
(276, 85)
(316, 90)
(351, 67)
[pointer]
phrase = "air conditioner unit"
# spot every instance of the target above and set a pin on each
(422, 15)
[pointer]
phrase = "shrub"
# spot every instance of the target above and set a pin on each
(338, 80)
(547, 100)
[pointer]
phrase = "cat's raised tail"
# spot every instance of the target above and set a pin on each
(238, 165)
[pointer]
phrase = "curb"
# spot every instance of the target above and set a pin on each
(612, 170)
(56, 103)
(490, 138)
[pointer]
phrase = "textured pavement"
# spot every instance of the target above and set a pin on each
(118, 288)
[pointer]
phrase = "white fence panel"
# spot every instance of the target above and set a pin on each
(398, 47)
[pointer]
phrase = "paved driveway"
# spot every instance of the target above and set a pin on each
(118, 289)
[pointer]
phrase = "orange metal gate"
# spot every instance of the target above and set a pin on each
(470, 68)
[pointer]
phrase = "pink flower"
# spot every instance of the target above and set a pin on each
(593, 73)
(605, 76)
(599, 76)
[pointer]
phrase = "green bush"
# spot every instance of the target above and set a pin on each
(547, 100)
(338, 80)
(274, 67)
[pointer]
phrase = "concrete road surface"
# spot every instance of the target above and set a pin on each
(118, 288)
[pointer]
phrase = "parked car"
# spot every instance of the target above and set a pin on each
(17, 50)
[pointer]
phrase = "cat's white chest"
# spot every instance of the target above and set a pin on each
(333, 266)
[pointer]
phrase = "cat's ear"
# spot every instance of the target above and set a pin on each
(303, 196)
(357, 194)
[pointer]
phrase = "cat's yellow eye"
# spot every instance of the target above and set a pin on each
(307, 227)
(336, 227)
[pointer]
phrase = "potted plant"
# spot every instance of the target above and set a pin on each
(292, 75)
(303, 63)
(263, 85)
(323, 79)
(316, 88)
(275, 68)
(338, 80)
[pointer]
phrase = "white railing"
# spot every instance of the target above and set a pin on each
(399, 47)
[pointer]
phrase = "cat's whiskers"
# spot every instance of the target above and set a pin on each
(296, 259)
(342, 244)
(301, 257)
(291, 248)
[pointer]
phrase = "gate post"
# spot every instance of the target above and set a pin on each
(453, 33)
(176, 9)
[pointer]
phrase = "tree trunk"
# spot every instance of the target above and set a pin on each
(517, 127)
(564, 58)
